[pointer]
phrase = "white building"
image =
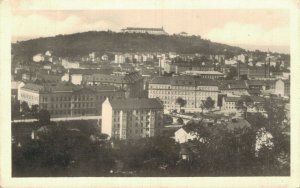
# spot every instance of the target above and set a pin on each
(70, 64)
(38, 58)
(183, 135)
(132, 118)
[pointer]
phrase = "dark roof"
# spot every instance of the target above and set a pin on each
(129, 78)
(160, 80)
(232, 84)
(135, 103)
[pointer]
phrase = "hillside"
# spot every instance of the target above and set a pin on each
(84, 43)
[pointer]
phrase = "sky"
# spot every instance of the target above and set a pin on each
(249, 28)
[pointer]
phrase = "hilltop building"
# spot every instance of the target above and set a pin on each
(152, 31)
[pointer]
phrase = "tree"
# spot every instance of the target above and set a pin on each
(44, 117)
(244, 103)
(167, 119)
(15, 108)
(34, 109)
(180, 121)
(208, 103)
(181, 102)
(24, 107)
(202, 106)
(232, 73)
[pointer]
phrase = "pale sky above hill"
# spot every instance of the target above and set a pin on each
(249, 27)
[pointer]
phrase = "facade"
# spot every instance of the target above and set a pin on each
(193, 90)
(152, 31)
(68, 100)
(119, 58)
(132, 118)
(282, 88)
(132, 83)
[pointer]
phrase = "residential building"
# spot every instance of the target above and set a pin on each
(152, 31)
(66, 99)
(132, 82)
(132, 118)
(193, 90)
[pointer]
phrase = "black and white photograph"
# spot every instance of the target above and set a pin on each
(160, 93)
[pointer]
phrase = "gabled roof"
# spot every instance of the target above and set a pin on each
(136, 103)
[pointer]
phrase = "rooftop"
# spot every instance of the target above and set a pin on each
(183, 80)
(136, 103)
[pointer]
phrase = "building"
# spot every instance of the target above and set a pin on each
(68, 64)
(66, 99)
(233, 87)
(229, 104)
(152, 31)
(179, 67)
(282, 88)
(253, 71)
(184, 134)
(205, 74)
(38, 58)
(132, 118)
(132, 82)
(193, 90)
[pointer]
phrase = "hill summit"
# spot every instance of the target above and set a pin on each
(99, 41)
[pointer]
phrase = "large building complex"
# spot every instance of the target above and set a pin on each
(193, 90)
(152, 31)
(68, 100)
(132, 118)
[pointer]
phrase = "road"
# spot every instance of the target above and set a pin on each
(59, 119)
